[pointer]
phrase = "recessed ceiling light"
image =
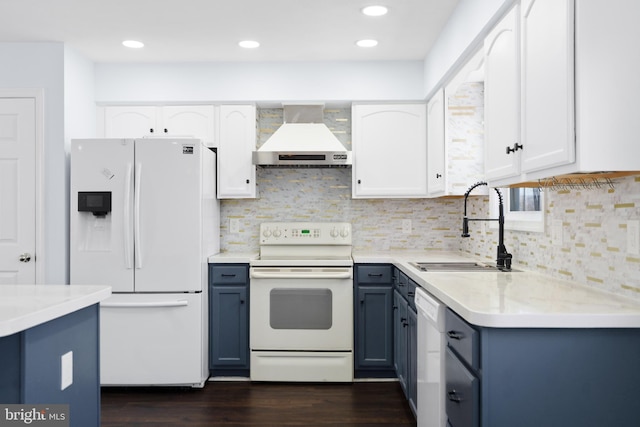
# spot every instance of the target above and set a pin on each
(134, 44)
(375, 10)
(367, 43)
(249, 44)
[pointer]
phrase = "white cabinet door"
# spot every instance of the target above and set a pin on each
(130, 121)
(137, 121)
(196, 121)
(435, 144)
(389, 151)
(236, 172)
(547, 83)
(502, 100)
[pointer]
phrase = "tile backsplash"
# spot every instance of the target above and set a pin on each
(594, 222)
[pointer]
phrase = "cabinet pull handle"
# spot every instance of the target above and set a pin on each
(410, 294)
(375, 275)
(515, 148)
(453, 396)
(228, 275)
(455, 335)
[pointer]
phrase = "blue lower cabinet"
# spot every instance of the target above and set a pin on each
(532, 377)
(229, 320)
(373, 317)
(31, 366)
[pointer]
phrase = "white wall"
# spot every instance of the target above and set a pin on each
(461, 37)
(79, 114)
(40, 65)
(264, 82)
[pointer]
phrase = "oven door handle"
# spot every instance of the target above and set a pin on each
(301, 275)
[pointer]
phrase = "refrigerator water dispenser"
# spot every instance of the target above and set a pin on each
(96, 202)
(94, 226)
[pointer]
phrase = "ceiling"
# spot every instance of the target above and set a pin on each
(209, 30)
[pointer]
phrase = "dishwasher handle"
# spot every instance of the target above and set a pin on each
(150, 304)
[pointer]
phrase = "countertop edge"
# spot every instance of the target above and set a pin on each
(46, 314)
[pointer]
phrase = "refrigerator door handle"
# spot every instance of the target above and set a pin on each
(136, 217)
(157, 304)
(128, 232)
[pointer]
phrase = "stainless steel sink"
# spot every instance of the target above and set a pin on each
(455, 266)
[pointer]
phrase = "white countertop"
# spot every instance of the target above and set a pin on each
(233, 257)
(517, 299)
(25, 306)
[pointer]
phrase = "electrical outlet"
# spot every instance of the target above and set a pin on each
(234, 225)
(66, 370)
(556, 232)
(406, 226)
(633, 237)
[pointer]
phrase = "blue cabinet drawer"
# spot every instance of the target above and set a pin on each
(370, 274)
(228, 274)
(463, 339)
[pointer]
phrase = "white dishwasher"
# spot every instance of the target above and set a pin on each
(431, 346)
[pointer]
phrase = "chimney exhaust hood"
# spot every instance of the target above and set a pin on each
(303, 140)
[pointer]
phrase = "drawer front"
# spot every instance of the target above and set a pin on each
(228, 274)
(411, 293)
(463, 338)
(462, 401)
(402, 284)
(371, 274)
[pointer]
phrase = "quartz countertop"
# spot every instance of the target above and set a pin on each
(25, 306)
(233, 258)
(521, 299)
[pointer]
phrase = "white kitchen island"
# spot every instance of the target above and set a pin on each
(49, 348)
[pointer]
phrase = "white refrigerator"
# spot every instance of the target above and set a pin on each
(144, 218)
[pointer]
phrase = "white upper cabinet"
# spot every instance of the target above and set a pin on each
(435, 144)
(389, 150)
(236, 172)
(502, 99)
(194, 121)
(130, 121)
(548, 137)
(138, 121)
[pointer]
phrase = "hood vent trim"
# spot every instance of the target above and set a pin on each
(303, 140)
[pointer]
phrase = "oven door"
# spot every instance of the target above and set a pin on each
(301, 308)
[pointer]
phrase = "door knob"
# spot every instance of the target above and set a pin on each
(25, 257)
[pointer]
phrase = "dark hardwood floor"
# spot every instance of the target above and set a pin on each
(258, 404)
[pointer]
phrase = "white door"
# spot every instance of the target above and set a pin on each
(167, 219)
(435, 144)
(236, 172)
(101, 247)
(17, 191)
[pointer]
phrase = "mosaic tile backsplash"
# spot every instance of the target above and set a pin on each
(594, 222)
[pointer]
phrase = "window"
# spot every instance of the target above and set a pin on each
(523, 209)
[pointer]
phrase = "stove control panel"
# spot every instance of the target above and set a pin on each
(305, 233)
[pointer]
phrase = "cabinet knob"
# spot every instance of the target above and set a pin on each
(241, 301)
(151, 130)
(515, 148)
(248, 181)
(438, 175)
(453, 396)
(455, 335)
(166, 130)
(359, 182)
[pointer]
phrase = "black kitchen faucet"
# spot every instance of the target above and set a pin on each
(503, 260)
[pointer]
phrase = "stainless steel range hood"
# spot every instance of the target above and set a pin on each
(302, 140)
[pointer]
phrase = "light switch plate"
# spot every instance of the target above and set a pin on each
(66, 370)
